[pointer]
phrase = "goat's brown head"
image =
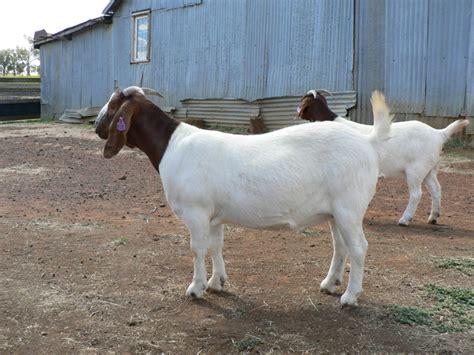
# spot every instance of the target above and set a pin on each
(115, 119)
(314, 107)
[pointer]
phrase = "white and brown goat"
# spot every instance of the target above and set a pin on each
(413, 150)
(291, 178)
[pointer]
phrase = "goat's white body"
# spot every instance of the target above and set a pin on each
(291, 178)
(414, 151)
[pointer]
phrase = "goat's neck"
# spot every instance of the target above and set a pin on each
(321, 112)
(151, 134)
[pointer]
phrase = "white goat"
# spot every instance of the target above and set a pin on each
(413, 150)
(291, 178)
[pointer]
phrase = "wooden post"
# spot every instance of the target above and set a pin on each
(257, 126)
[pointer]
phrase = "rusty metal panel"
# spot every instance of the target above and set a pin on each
(277, 112)
(219, 111)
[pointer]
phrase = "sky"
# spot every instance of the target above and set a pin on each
(25, 17)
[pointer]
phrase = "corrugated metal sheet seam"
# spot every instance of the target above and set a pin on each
(277, 112)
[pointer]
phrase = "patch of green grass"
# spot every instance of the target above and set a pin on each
(463, 265)
(409, 315)
(119, 241)
(454, 308)
(248, 343)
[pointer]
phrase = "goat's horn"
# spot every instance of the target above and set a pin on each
(149, 91)
(325, 92)
(312, 92)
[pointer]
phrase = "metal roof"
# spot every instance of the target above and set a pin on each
(42, 37)
(111, 6)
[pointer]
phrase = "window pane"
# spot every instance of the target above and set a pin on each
(141, 41)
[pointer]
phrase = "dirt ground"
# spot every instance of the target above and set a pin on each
(93, 261)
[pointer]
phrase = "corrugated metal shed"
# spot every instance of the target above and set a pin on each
(76, 72)
(406, 35)
(418, 53)
(448, 29)
(470, 76)
(277, 112)
(245, 49)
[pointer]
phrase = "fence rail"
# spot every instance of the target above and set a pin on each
(19, 98)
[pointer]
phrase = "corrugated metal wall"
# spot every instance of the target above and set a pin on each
(241, 49)
(470, 75)
(418, 53)
(277, 112)
(76, 73)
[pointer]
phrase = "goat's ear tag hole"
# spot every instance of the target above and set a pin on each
(121, 126)
(298, 109)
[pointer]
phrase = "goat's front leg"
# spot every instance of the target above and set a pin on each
(216, 243)
(198, 226)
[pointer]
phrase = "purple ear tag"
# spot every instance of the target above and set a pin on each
(298, 109)
(121, 126)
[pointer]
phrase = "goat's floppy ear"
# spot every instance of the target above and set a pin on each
(118, 130)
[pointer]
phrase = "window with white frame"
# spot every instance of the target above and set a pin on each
(141, 37)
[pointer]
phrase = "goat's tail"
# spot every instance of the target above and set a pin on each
(454, 127)
(382, 118)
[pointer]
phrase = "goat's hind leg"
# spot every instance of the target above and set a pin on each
(414, 189)
(336, 270)
(216, 243)
(356, 246)
(432, 183)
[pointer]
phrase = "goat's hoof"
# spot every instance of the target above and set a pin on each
(348, 301)
(404, 222)
(433, 219)
(216, 284)
(195, 291)
(348, 306)
(326, 291)
(328, 287)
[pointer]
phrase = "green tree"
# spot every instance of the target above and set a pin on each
(33, 57)
(6, 60)
(22, 58)
(17, 61)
